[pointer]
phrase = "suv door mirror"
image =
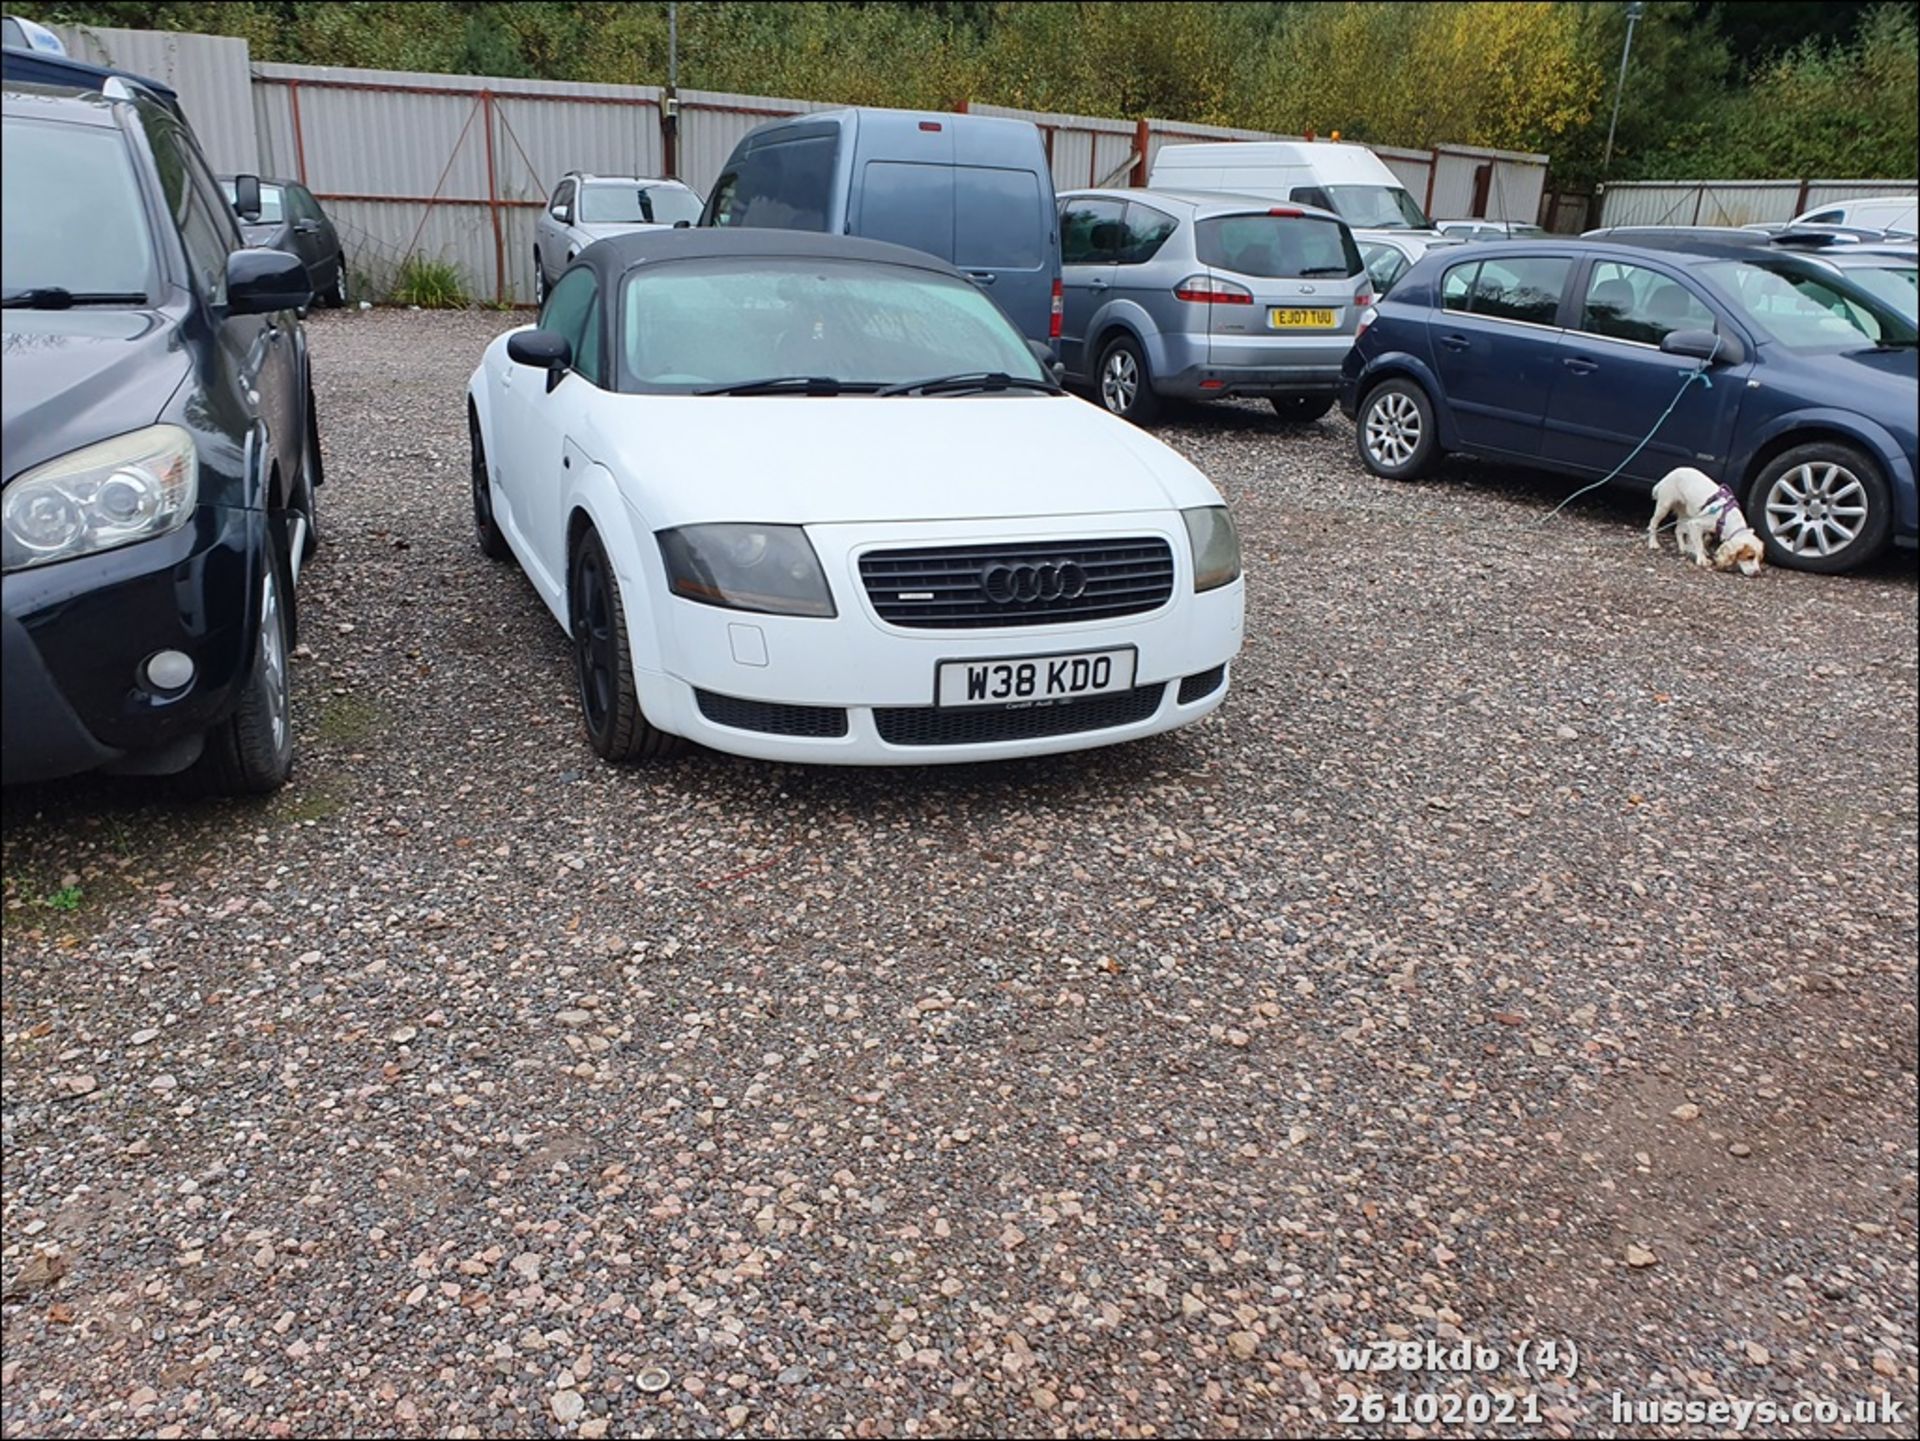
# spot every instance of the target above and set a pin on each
(1703, 345)
(246, 196)
(546, 350)
(260, 282)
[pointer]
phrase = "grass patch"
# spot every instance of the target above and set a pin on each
(429, 284)
(307, 803)
(67, 898)
(345, 719)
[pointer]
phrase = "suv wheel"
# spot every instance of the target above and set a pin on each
(1301, 409)
(1822, 507)
(603, 660)
(251, 752)
(1394, 430)
(1125, 383)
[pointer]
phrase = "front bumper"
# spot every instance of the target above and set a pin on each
(876, 679)
(75, 635)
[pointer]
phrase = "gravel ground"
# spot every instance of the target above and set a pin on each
(1525, 952)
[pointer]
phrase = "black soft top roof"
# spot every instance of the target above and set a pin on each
(615, 256)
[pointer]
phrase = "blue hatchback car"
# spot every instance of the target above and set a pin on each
(1564, 354)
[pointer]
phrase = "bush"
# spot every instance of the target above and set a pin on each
(429, 284)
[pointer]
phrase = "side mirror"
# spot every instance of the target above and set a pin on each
(260, 282)
(542, 350)
(682, 224)
(564, 214)
(1703, 345)
(246, 196)
(1043, 352)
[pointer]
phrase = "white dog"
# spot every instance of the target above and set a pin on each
(1710, 517)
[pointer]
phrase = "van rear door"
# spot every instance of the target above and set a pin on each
(1005, 232)
(903, 182)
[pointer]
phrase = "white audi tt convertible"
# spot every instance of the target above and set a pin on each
(813, 498)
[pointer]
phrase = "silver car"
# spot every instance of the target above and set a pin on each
(585, 208)
(1391, 254)
(1201, 296)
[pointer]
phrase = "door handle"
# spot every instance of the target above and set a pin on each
(1455, 342)
(1097, 284)
(1579, 366)
(981, 277)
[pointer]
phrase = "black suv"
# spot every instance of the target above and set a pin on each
(160, 453)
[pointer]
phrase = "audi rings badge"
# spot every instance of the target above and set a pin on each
(1025, 583)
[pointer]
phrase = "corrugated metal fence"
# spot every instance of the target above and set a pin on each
(454, 168)
(1731, 202)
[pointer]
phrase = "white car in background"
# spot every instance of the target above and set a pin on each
(813, 498)
(1895, 213)
(584, 208)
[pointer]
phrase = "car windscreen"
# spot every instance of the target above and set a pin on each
(1377, 207)
(273, 204)
(637, 205)
(1808, 309)
(1894, 283)
(1292, 247)
(695, 324)
(71, 213)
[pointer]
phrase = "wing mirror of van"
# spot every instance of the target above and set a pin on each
(246, 197)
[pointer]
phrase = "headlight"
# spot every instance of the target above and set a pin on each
(747, 567)
(1216, 546)
(133, 487)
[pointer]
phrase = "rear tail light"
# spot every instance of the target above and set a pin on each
(1288, 211)
(1205, 289)
(1363, 299)
(1053, 319)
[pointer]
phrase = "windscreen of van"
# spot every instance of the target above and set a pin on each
(1371, 207)
(997, 219)
(784, 186)
(1276, 246)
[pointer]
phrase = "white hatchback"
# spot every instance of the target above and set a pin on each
(813, 498)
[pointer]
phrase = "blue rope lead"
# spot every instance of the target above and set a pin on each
(1699, 375)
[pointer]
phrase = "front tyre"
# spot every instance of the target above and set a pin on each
(492, 543)
(336, 296)
(251, 752)
(603, 661)
(539, 282)
(1823, 507)
(1125, 383)
(1394, 431)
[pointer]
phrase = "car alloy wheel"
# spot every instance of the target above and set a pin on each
(1392, 429)
(593, 641)
(338, 298)
(1817, 509)
(1119, 381)
(493, 544)
(539, 281)
(273, 662)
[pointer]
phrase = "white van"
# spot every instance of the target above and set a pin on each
(1349, 180)
(1877, 212)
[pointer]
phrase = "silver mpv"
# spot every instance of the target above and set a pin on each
(1199, 296)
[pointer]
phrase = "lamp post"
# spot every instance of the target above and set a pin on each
(1634, 11)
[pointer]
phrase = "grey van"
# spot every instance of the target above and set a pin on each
(1201, 296)
(973, 190)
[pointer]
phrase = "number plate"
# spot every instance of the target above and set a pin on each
(1033, 679)
(1300, 319)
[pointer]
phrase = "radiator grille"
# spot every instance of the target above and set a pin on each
(1018, 583)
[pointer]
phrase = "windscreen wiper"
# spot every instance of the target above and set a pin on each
(969, 380)
(789, 385)
(58, 297)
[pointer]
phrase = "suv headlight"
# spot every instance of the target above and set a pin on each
(769, 568)
(133, 487)
(1216, 546)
